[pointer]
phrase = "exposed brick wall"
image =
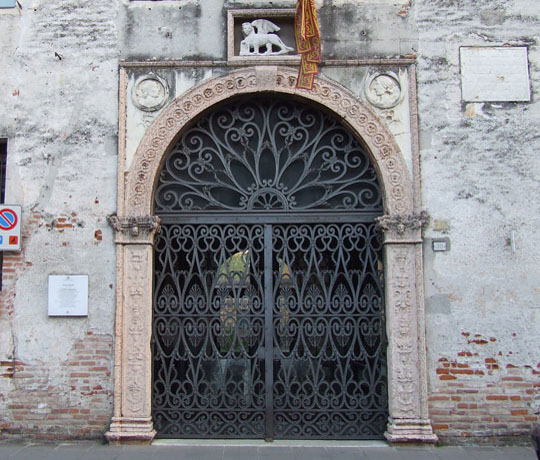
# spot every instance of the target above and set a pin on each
(80, 407)
(484, 397)
(48, 400)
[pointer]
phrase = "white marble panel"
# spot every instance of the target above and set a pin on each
(495, 74)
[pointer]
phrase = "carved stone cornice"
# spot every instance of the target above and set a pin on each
(403, 226)
(134, 227)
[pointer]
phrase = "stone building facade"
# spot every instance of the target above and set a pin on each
(440, 94)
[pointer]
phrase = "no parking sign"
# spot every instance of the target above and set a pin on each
(10, 227)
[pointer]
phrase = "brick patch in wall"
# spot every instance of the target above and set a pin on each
(479, 396)
(71, 401)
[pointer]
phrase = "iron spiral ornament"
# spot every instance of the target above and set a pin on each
(264, 154)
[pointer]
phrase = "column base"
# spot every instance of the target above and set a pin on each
(410, 430)
(125, 430)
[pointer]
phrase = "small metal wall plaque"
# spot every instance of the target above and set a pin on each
(440, 244)
(68, 295)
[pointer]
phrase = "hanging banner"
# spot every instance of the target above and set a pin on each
(308, 42)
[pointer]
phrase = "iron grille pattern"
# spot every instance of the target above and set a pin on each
(267, 154)
(330, 371)
(314, 289)
(208, 331)
(268, 292)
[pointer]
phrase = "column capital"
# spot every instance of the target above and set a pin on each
(403, 228)
(134, 229)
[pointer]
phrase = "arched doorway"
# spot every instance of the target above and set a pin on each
(136, 227)
(268, 316)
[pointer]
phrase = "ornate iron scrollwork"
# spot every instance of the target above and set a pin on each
(330, 370)
(328, 348)
(264, 154)
(265, 327)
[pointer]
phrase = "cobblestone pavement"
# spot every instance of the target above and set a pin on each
(254, 451)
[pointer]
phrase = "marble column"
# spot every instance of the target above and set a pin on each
(132, 420)
(407, 377)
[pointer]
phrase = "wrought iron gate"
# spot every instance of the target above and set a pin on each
(268, 292)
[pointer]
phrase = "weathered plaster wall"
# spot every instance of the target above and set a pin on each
(60, 95)
(481, 180)
(194, 29)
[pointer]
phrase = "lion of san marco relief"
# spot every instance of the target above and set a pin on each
(259, 34)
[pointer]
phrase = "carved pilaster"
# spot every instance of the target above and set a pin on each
(406, 335)
(132, 421)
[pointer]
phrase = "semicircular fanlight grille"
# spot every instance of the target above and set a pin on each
(267, 154)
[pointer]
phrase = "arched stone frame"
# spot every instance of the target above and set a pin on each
(136, 225)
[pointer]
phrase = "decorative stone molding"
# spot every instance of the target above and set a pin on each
(135, 225)
(150, 93)
(261, 34)
(134, 423)
(124, 430)
(282, 17)
(383, 90)
(410, 430)
(397, 185)
(406, 348)
(406, 353)
(402, 224)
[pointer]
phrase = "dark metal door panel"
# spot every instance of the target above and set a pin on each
(208, 332)
(268, 294)
(272, 331)
(329, 339)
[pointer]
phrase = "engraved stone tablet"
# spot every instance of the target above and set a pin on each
(495, 74)
(68, 295)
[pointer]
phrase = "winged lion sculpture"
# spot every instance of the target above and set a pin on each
(259, 34)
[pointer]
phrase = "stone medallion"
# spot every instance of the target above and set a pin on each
(383, 90)
(150, 93)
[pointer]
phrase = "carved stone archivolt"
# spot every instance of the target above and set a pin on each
(401, 225)
(158, 139)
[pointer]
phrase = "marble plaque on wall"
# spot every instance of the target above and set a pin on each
(68, 295)
(494, 74)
